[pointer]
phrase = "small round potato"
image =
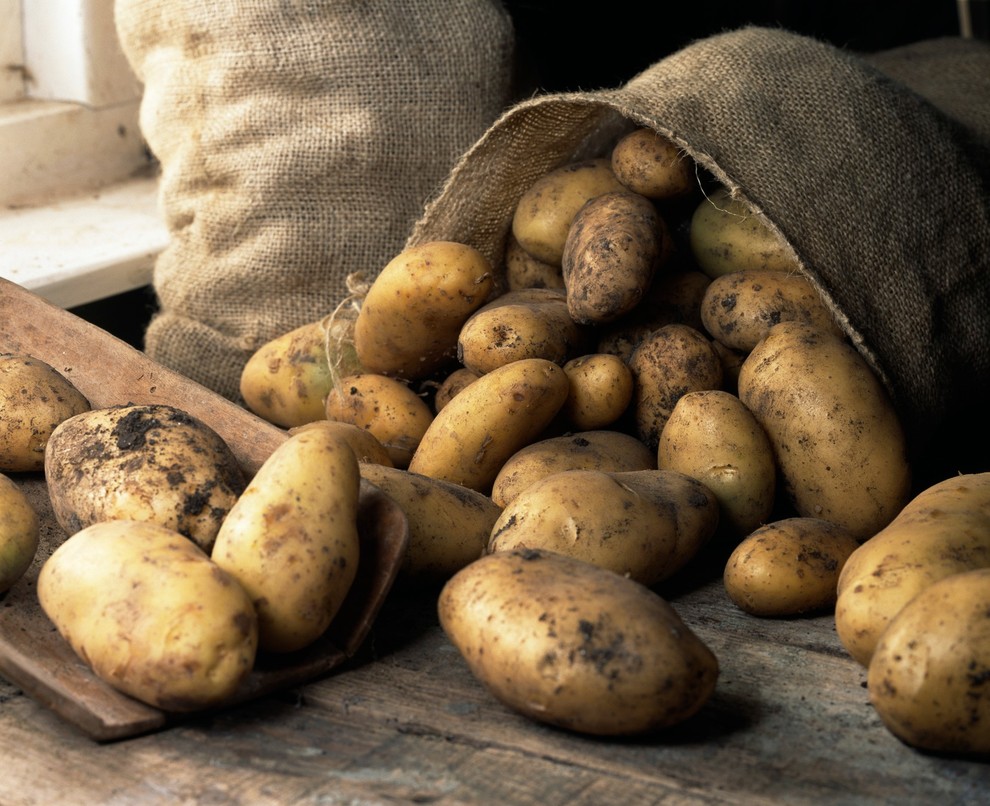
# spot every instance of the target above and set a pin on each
(19, 530)
(576, 646)
(454, 383)
(653, 166)
(789, 567)
(34, 399)
(601, 390)
(522, 270)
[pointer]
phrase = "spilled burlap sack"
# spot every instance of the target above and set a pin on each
(298, 143)
(874, 169)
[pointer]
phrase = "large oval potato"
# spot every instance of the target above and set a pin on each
(573, 645)
(149, 612)
(19, 531)
(943, 530)
(653, 166)
(929, 674)
(142, 462)
(836, 436)
(292, 541)
(412, 313)
(34, 399)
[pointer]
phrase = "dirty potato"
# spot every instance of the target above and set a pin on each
(654, 166)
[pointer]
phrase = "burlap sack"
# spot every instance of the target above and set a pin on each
(298, 143)
(877, 179)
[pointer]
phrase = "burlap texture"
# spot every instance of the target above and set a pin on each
(878, 180)
(298, 143)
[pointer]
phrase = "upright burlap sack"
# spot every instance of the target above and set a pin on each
(298, 143)
(877, 179)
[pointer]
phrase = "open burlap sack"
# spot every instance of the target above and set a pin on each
(298, 143)
(874, 169)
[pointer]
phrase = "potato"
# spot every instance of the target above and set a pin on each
(653, 166)
(387, 407)
(19, 530)
(145, 608)
(545, 211)
(576, 646)
(286, 381)
(928, 677)
(837, 439)
(670, 362)
(943, 530)
(449, 525)
(589, 450)
(712, 437)
(615, 245)
(292, 541)
(365, 445)
(533, 323)
(601, 391)
(522, 270)
(34, 399)
(788, 567)
(644, 524)
(725, 235)
(151, 463)
(504, 410)
(412, 313)
(739, 308)
(450, 386)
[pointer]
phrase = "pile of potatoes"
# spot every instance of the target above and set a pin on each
(647, 372)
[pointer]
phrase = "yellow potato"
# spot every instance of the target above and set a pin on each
(292, 541)
(19, 529)
(410, 317)
(149, 612)
(455, 382)
(725, 235)
(544, 213)
(928, 677)
(652, 165)
(365, 445)
(34, 399)
(522, 270)
(943, 530)
(476, 432)
(144, 463)
(713, 437)
(788, 567)
(387, 407)
(573, 645)
(601, 391)
(836, 436)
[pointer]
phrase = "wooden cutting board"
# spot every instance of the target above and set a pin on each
(110, 372)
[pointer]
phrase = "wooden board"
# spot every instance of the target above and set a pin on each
(110, 372)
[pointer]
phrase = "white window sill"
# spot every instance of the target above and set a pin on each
(85, 247)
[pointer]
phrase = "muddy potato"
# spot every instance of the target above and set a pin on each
(836, 436)
(667, 364)
(725, 235)
(643, 524)
(292, 541)
(576, 646)
(449, 525)
(739, 308)
(614, 247)
(387, 407)
(545, 211)
(653, 166)
(713, 437)
(601, 390)
(603, 450)
(450, 386)
(411, 315)
(34, 399)
(151, 463)
(191, 630)
(943, 530)
(927, 679)
(365, 445)
(789, 567)
(19, 529)
(504, 410)
(522, 270)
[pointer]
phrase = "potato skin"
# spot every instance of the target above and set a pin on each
(838, 441)
(34, 399)
(522, 270)
(142, 462)
(19, 531)
(943, 530)
(450, 386)
(411, 315)
(365, 445)
(601, 390)
(653, 166)
(191, 630)
(788, 567)
(572, 645)
(928, 677)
